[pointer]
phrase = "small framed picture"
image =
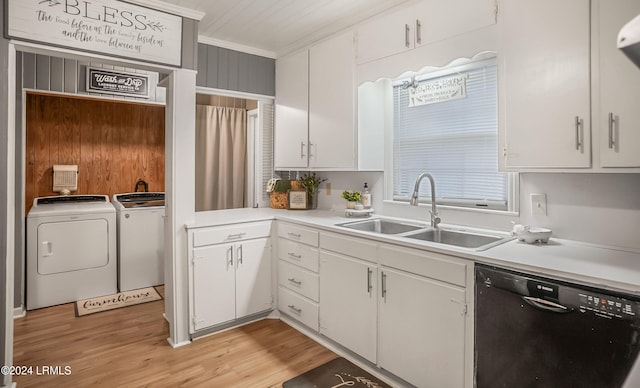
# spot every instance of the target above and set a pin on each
(297, 199)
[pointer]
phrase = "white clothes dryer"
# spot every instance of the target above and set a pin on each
(140, 239)
(71, 249)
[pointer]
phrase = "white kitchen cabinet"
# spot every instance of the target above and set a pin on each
(291, 144)
(545, 75)
(298, 282)
(348, 291)
(422, 329)
(316, 124)
(616, 113)
(332, 125)
(229, 280)
(425, 22)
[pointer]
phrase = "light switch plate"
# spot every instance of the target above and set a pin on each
(538, 204)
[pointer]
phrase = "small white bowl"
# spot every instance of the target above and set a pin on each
(534, 235)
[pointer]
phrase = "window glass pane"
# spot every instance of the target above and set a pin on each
(455, 140)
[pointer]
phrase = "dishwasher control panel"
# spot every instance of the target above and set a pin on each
(608, 305)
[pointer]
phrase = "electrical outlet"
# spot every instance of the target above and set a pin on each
(327, 188)
(538, 204)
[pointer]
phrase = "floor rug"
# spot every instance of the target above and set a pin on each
(336, 373)
(115, 301)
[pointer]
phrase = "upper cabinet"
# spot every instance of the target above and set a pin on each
(568, 95)
(291, 112)
(545, 83)
(315, 124)
(616, 88)
(425, 22)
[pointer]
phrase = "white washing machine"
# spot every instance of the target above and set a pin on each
(71, 249)
(140, 239)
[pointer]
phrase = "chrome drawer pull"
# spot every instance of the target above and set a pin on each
(293, 255)
(295, 309)
(294, 281)
(295, 235)
(235, 236)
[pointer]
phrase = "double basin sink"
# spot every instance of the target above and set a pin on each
(459, 237)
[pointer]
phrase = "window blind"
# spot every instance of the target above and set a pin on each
(456, 141)
(266, 142)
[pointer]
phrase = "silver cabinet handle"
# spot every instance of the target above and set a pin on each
(295, 309)
(369, 285)
(239, 254)
(407, 30)
(294, 256)
(294, 235)
(230, 256)
(294, 281)
(418, 32)
(612, 123)
(302, 155)
(579, 130)
(309, 151)
(235, 236)
(384, 285)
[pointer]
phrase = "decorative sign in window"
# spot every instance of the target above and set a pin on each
(439, 90)
(108, 27)
(111, 82)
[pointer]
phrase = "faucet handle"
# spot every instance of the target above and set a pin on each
(435, 219)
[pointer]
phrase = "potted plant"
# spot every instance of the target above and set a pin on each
(310, 183)
(352, 198)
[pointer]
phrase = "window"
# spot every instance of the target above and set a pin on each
(446, 124)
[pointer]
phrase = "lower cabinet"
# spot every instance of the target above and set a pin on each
(403, 309)
(421, 329)
(230, 281)
(349, 303)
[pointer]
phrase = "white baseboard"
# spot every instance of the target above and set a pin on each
(177, 345)
(19, 312)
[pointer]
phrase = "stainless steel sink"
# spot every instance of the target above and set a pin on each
(460, 238)
(378, 225)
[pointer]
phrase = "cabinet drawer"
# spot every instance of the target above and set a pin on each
(299, 280)
(298, 233)
(350, 246)
(299, 254)
(224, 234)
(432, 265)
(298, 307)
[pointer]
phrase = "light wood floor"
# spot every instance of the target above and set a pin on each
(128, 348)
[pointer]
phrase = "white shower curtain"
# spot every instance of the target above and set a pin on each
(221, 146)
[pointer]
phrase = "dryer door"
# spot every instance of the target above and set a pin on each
(67, 246)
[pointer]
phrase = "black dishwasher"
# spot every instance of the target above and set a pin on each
(532, 331)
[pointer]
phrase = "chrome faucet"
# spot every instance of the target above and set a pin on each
(435, 220)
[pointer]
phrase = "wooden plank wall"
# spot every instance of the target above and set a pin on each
(113, 143)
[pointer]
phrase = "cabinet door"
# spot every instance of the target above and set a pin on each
(253, 276)
(292, 104)
(332, 104)
(619, 83)
(421, 330)
(436, 20)
(348, 303)
(545, 80)
(385, 36)
(214, 297)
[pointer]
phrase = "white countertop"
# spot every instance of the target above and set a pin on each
(606, 267)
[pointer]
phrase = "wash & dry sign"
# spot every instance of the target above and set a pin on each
(439, 90)
(101, 26)
(111, 82)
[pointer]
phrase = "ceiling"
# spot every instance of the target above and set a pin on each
(275, 27)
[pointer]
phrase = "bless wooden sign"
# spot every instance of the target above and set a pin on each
(101, 26)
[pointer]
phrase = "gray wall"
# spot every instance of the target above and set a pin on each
(221, 68)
